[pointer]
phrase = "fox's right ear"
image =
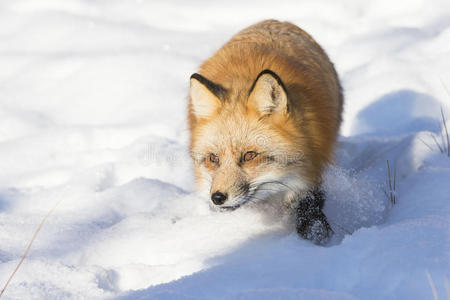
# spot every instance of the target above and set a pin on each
(268, 94)
(206, 96)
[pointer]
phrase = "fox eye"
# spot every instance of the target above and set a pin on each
(249, 155)
(213, 158)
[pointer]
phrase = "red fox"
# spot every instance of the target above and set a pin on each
(264, 113)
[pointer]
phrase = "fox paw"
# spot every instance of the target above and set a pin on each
(311, 222)
(316, 230)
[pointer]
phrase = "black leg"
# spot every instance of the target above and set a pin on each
(311, 222)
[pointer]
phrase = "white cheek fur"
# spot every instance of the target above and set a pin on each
(205, 184)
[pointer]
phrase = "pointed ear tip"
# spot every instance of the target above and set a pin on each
(269, 74)
(268, 71)
(194, 81)
(193, 77)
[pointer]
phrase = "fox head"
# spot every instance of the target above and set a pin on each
(246, 144)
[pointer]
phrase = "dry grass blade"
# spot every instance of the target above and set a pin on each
(391, 183)
(389, 175)
(444, 145)
(444, 122)
(28, 249)
(441, 134)
(437, 143)
(395, 178)
(426, 144)
(432, 286)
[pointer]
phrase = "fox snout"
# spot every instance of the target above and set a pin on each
(228, 185)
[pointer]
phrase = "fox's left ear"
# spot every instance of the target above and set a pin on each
(268, 94)
(206, 97)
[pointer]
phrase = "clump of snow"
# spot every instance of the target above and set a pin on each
(92, 116)
(353, 201)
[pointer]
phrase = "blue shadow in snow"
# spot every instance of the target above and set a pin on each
(8, 197)
(4, 205)
(398, 113)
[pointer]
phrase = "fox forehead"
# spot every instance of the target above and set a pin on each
(236, 132)
(233, 133)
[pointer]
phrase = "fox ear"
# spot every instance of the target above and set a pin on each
(206, 96)
(268, 94)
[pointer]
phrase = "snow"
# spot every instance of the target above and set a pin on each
(92, 118)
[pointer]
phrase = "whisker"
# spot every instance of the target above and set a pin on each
(268, 191)
(251, 197)
(281, 183)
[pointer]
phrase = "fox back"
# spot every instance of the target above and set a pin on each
(264, 113)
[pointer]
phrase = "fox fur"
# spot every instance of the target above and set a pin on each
(264, 114)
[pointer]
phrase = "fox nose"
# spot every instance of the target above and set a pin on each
(218, 198)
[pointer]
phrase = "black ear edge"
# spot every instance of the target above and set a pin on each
(273, 74)
(218, 90)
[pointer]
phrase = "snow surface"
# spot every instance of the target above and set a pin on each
(92, 114)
